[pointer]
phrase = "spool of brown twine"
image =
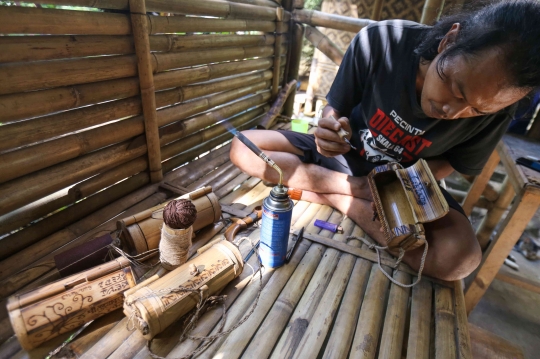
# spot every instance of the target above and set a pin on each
(178, 218)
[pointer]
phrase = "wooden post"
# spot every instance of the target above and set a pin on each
(480, 183)
(146, 79)
(432, 11)
(293, 64)
(525, 205)
(377, 9)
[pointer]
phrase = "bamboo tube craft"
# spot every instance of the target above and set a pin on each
(142, 232)
(49, 311)
(404, 199)
(178, 218)
(155, 306)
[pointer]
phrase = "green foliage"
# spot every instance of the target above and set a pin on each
(313, 4)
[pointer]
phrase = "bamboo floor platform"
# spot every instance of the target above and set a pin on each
(323, 304)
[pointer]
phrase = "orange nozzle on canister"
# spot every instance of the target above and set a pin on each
(294, 193)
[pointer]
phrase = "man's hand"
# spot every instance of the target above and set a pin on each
(328, 142)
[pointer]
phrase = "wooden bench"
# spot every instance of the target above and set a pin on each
(522, 185)
(324, 303)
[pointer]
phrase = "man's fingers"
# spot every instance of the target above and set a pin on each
(344, 123)
(331, 147)
(329, 123)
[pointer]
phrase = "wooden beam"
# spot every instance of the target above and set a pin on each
(377, 9)
(506, 276)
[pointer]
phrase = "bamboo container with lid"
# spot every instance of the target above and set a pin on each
(158, 303)
(62, 306)
(142, 231)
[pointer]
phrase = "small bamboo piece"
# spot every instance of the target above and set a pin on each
(324, 44)
(462, 323)
(445, 341)
(146, 79)
(277, 106)
(395, 317)
(420, 326)
(332, 21)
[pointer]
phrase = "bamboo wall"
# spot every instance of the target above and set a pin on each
(98, 103)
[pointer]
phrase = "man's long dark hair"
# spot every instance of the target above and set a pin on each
(513, 26)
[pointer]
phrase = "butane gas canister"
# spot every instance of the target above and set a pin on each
(276, 224)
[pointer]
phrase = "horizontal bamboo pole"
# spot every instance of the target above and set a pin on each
(64, 98)
(49, 180)
(36, 48)
(25, 20)
(269, 3)
(332, 21)
(217, 8)
(175, 24)
(18, 77)
(324, 44)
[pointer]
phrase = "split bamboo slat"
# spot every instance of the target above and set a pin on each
(368, 327)
(395, 317)
(445, 344)
(331, 21)
(295, 54)
(419, 331)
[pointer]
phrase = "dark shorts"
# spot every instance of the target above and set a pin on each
(350, 163)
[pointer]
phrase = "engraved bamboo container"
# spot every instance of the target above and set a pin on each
(142, 231)
(59, 307)
(154, 307)
(404, 199)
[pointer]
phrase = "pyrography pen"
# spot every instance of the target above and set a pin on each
(342, 133)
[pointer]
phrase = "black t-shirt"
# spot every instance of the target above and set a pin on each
(376, 88)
